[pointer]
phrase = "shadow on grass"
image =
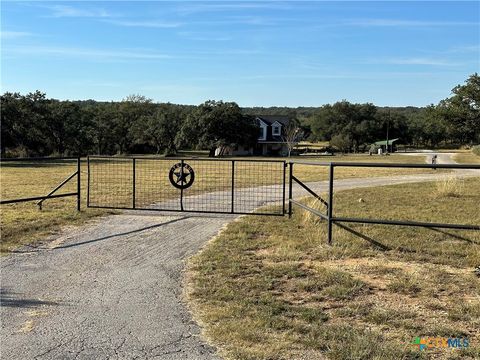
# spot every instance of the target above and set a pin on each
(372, 241)
(12, 299)
(455, 236)
(384, 247)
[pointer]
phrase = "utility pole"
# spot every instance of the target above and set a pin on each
(388, 126)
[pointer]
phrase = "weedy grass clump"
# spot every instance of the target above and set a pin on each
(449, 186)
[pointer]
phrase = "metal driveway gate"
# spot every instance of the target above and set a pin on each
(193, 185)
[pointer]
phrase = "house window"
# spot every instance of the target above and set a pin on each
(262, 133)
(276, 130)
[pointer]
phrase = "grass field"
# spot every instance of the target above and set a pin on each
(467, 158)
(316, 173)
(272, 289)
(25, 224)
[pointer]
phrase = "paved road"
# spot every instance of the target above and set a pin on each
(112, 288)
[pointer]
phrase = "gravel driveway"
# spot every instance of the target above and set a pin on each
(112, 288)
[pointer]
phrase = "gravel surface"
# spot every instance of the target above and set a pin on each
(112, 289)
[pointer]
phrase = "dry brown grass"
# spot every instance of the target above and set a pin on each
(449, 185)
(24, 223)
(467, 158)
(272, 288)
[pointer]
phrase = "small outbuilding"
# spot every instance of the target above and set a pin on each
(387, 147)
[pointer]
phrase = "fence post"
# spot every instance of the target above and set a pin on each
(330, 204)
(290, 195)
(78, 184)
(88, 181)
(133, 190)
(233, 186)
(283, 194)
(182, 162)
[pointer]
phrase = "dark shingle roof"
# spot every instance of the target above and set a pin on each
(270, 119)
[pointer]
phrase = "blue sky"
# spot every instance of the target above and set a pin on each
(252, 52)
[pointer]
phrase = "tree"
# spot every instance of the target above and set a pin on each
(215, 124)
(160, 129)
(342, 142)
(358, 122)
(12, 125)
(462, 111)
(129, 111)
(292, 135)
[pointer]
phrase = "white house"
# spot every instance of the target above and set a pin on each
(270, 139)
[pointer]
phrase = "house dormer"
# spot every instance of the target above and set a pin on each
(276, 129)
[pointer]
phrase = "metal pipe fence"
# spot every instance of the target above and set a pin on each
(226, 186)
(332, 219)
(51, 195)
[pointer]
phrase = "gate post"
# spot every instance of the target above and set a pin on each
(182, 163)
(283, 191)
(133, 190)
(88, 181)
(290, 195)
(78, 184)
(233, 186)
(330, 205)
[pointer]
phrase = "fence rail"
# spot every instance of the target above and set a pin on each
(51, 194)
(332, 219)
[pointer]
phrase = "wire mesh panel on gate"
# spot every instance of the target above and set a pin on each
(110, 182)
(218, 186)
(153, 189)
(258, 183)
(212, 188)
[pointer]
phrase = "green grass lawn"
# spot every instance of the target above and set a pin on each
(269, 288)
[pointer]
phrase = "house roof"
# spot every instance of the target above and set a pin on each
(270, 119)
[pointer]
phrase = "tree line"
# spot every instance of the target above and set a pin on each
(34, 125)
(454, 121)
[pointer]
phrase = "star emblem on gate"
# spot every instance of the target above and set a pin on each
(181, 175)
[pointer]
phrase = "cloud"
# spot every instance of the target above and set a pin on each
(203, 36)
(119, 55)
(59, 11)
(142, 23)
(417, 61)
(14, 34)
(233, 6)
(465, 49)
(405, 23)
(90, 54)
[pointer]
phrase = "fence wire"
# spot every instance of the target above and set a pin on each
(219, 186)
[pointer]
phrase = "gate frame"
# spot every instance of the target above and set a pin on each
(183, 159)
